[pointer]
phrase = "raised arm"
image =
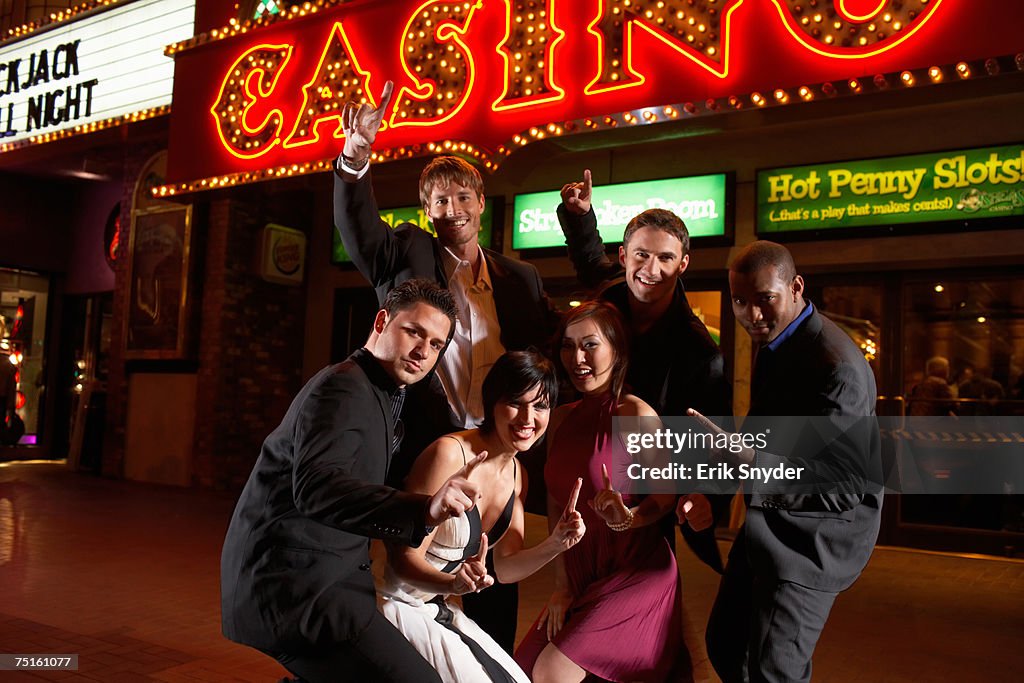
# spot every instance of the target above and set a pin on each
(579, 225)
(513, 563)
(369, 241)
(360, 123)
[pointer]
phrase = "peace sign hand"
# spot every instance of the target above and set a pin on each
(456, 496)
(576, 196)
(472, 576)
(360, 123)
(570, 528)
(608, 502)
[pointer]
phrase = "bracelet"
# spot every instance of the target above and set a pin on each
(623, 525)
(354, 164)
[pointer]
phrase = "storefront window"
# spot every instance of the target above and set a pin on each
(974, 330)
(857, 310)
(963, 356)
(23, 305)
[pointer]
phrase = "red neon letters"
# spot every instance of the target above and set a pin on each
(442, 69)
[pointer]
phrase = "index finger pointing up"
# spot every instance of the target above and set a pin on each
(468, 468)
(482, 553)
(571, 505)
(607, 479)
(385, 96)
(588, 183)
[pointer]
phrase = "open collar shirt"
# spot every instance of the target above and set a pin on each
(476, 344)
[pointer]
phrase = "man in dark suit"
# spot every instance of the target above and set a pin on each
(295, 568)
(674, 364)
(501, 302)
(806, 540)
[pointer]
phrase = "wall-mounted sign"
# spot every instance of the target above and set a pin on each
(283, 255)
(106, 65)
(959, 186)
(484, 78)
(159, 297)
(700, 201)
(415, 215)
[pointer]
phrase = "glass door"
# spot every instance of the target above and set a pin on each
(24, 298)
(963, 357)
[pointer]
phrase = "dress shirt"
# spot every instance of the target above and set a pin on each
(476, 344)
(774, 344)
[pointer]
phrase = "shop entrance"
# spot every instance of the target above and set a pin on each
(83, 371)
(964, 330)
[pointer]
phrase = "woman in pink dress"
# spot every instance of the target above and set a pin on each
(615, 610)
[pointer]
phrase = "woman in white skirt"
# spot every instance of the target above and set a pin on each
(517, 396)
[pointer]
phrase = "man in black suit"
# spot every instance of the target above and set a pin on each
(804, 541)
(295, 568)
(501, 302)
(674, 364)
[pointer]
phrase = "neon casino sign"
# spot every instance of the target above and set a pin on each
(482, 78)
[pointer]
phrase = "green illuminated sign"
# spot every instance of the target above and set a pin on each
(415, 215)
(924, 188)
(699, 201)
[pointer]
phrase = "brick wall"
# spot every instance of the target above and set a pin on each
(136, 157)
(251, 346)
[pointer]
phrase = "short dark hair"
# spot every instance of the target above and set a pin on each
(421, 290)
(609, 321)
(659, 219)
(763, 254)
(443, 171)
(513, 375)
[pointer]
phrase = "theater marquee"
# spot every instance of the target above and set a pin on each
(86, 73)
(482, 78)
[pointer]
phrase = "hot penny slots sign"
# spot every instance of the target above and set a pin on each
(482, 78)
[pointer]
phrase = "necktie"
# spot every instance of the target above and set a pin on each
(397, 400)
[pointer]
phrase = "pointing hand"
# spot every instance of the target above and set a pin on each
(456, 496)
(576, 196)
(361, 121)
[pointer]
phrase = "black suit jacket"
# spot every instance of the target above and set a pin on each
(819, 536)
(295, 564)
(389, 257)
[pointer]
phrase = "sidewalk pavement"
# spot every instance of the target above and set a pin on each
(126, 576)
